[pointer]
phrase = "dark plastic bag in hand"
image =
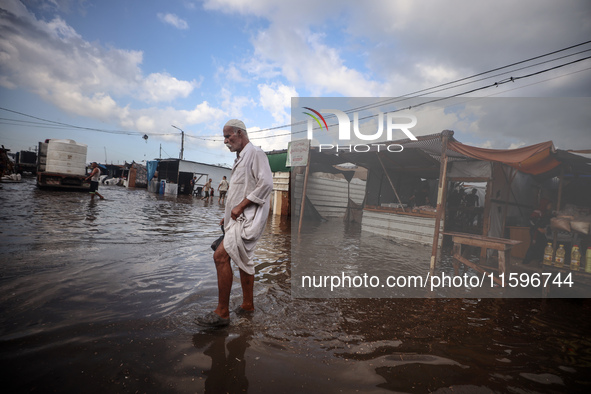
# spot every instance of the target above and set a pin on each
(215, 244)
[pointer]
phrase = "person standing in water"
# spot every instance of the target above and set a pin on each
(94, 181)
(246, 212)
(222, 189)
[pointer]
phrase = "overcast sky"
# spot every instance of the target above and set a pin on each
(135, 67)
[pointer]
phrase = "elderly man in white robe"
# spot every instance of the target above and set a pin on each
(247, 209)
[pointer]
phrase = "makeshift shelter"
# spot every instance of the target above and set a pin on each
(177, 174)
(432, 163)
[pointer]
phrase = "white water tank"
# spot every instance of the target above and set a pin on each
(66, 157)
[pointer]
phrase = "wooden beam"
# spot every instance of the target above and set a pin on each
(467, 262)
(420, 214)
(558, 203)
(507, 196)
(441, 197)
(418, 169)
(468, 179)
(486, 215)
(302, 206)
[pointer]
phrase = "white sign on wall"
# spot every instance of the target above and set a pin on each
(297, 153)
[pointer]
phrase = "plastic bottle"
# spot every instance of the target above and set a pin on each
(588, 260)
(548, 252)
(560, 253)
(575, 258)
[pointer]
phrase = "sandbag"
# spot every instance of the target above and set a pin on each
(581, 227)
(560, 223)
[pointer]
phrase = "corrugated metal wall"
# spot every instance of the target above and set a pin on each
(389, 224)
(328, 195)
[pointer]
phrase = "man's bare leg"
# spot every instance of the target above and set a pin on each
(225, 276)
(247, 282)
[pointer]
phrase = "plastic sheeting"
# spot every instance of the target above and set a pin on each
(534, 159)
(470, 169)
(151, 165)
(517, 192)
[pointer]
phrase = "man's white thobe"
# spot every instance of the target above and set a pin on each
(252, 179)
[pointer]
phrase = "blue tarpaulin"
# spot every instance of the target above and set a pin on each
(151, 165)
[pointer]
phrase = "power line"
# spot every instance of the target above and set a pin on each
(496, 84)
(60, 125)
(427, 90)
(542, 81)
(424, 91)
(442, 87)
(408, 96)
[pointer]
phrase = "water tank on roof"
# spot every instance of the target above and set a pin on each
(66, 157)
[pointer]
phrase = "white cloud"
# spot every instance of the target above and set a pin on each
(435, 75)
(163, 87)
(276, 98)
(52, 60)
(173, 20)
(230, 73)
(203, 113)
(234, 104)
(515, 145)
(405, 45)
(305, 60)
(392, 48)
(269, 140)
(486, 144)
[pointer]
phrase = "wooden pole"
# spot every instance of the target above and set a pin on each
(390, 180)
(558, 202)
(486, 214)
(348, 212)
(507, 196)
(303, 203)
(441, 196)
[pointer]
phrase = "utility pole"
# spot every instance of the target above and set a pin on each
(182, 141)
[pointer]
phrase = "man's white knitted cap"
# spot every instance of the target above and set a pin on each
(236, 123)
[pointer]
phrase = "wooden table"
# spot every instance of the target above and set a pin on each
(501, 244)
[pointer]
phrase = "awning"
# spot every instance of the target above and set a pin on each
(422, 157)
(277, 162)
(534, 159)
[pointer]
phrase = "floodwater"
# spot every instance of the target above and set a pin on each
(101, 296)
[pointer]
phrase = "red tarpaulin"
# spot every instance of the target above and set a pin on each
(534, 159)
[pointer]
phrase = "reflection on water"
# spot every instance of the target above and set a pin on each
(101, 296)
(227, 373)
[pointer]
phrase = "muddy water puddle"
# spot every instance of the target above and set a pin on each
(101, 296)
